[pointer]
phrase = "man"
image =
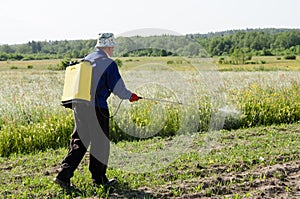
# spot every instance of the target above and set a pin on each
(92, 119)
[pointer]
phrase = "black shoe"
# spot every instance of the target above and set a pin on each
(105, 182)
(62, 184)
(110, 182)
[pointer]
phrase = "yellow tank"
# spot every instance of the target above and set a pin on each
(77, 84)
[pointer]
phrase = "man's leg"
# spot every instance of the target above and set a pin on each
(78, 146)
(70, 163)
(100, 145)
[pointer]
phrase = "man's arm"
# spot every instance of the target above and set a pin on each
(116, 84)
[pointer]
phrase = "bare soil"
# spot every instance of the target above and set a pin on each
(277, 181)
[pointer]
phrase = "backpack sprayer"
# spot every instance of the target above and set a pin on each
(78, 83)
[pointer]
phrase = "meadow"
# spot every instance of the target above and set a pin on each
(237, 123)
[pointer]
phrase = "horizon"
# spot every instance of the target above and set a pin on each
(132, 34)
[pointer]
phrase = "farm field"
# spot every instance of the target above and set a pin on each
(236, 131)
(272, 63)
(260, 162)
(264, 63)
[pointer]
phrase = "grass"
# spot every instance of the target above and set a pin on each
(23, 65)
(271, 64)
(175, 163)
(177, 63)
(30, 104)
(237, 158)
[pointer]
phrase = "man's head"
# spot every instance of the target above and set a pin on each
(106, 42)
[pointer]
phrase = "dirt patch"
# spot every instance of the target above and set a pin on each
(277, 181)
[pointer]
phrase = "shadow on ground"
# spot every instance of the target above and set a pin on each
(118, 190)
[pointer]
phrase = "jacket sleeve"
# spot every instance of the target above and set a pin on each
(115, 82)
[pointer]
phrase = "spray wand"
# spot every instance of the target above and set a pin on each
(160, 100)
(168, 101)
(154, 100)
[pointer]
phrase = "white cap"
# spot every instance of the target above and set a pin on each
(106, 40)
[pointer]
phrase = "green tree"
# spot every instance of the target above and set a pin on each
(6, 49)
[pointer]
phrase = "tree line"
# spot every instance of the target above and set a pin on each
(247, 42)
(35, 50)
(260, 42)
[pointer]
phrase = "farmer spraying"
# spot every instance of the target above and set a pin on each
(92, 119)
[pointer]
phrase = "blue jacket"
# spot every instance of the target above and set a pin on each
(106, 79)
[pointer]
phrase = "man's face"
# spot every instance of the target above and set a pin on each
(110, 51)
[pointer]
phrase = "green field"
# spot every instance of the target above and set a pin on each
(250, 163)
(272, 63)
(236, 135)
(264, 63)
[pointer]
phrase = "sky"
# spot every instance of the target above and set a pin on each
(43, 20)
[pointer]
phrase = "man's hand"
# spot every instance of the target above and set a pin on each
(134, 98)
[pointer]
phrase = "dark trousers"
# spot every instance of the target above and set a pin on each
(91, 128)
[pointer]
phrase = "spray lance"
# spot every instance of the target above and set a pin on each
(160, 100)
(149, 99)
(225, 110)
